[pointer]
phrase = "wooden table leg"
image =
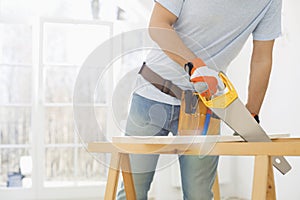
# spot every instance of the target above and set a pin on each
(216, 189)
(263, 180)
(271, 194)
(127, 177)
(113, 177)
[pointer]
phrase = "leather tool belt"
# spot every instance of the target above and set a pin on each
(192, 110)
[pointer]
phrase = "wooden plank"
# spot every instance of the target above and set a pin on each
(176, 139)
(184, 139)
(113, 177)
(278, 148)
(108, 147)
(103, 147)
(290, 148)
(127, 177)
(260, 179)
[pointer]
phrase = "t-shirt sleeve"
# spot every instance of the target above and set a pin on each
(269, 27)
(174, 6)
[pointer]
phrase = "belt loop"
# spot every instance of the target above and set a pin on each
(166, 86)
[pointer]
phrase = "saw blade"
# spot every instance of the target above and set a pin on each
(238, 118)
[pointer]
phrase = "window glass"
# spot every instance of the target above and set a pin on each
(72, 43)
(59, 84)
(15, 43)
(15, 125)
(59, 125)
(10, 174)
(15, 84)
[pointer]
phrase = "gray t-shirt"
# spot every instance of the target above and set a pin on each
(215, 30)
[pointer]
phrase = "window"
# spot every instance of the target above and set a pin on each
(15, 101)
(36, 115)
(65, 45)
(40, 58)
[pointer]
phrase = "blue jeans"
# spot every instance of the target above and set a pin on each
(149, 118)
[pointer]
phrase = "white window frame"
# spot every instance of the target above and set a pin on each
(38, 190)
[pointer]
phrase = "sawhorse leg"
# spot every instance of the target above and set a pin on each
(263, 181)
(127, 177)
(119, 161)
(216, 189)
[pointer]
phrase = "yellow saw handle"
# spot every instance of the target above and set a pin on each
(225, 99)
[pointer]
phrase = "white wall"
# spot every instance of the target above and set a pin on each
(280, 112)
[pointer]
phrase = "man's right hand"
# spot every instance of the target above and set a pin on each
(206, 81)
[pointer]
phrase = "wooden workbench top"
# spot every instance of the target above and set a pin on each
(199, 145)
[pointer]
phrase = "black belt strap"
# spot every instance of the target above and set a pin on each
(164, 85)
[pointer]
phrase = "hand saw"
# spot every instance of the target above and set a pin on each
(229, 108)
